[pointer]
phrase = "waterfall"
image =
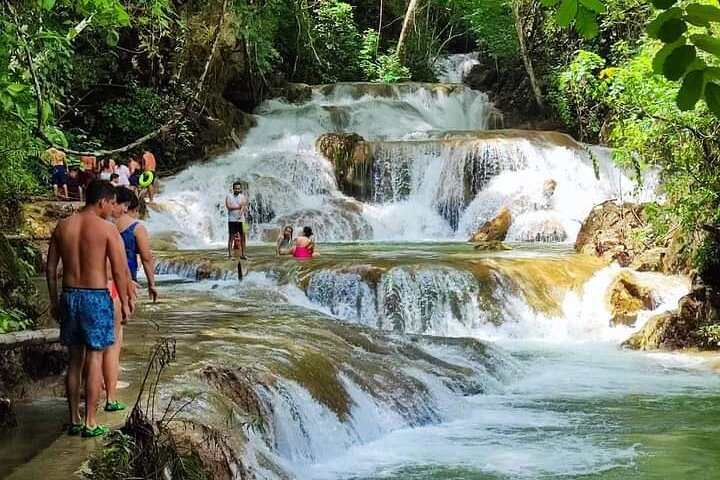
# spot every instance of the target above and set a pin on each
(437, 172)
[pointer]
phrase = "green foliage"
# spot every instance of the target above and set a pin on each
(141, 111)
(380, 68)
(710, 335)
(490, 21)
(336, 41)
(13, 320)
(647, 129)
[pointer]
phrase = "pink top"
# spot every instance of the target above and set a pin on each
(302, 252)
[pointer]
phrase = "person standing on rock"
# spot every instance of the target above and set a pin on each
(236, 205)
(84, 243)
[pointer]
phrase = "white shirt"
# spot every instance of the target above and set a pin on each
(123, 175)
(236, 201)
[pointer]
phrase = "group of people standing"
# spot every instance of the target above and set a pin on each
(135, 173)
(96, 252)
(302, 246)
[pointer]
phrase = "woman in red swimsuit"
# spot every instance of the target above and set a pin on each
(304, 246)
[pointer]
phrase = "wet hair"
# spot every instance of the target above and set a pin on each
(286, 228)
(113, 176)
(237, 183)
(99, 190)
(307, 231)
(125, 195)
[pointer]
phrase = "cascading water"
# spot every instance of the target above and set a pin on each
(437, 171)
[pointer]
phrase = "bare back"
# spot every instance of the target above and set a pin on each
(84, 243)
(149, 161)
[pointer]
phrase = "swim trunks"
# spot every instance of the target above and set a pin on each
(235, 227)
(59, 175)
(87, 318)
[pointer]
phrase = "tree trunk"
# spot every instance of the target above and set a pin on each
(527, 62)
(407, 26)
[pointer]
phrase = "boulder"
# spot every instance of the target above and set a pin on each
(610, 231)
(40, 217)
(651, 260)
(680, 328)
(352, 159)
(495, 229)
(626, 297)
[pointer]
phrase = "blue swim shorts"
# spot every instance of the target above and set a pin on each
(87, 318)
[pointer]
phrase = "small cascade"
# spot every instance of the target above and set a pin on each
(454, 68)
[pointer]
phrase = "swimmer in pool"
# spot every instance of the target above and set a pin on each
(304, 246)
(284, 242)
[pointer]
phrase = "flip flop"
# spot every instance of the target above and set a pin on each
(115, 406)
(98, 431)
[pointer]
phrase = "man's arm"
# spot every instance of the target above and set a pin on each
(230, 205)
(120, 272)
(143, 244)
(51, 271)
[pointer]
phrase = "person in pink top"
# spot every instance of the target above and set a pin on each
(304, 246)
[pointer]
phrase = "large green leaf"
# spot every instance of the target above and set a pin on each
(566, 12)
(691, 90)
(16, 89)
(707, 43)
(663, 4)
(662, 54)
(593, 5)
(586, 23)
(697, 20)
(653, 27)
(708, 12)
(712, 98)
(47, 4)
(678, 62)
(672, 30)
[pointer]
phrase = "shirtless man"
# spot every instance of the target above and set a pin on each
(150, 165)
(59, 172)
(84, 243)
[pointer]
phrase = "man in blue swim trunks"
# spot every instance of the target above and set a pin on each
(84, 243)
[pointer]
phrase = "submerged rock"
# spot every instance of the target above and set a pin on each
(491, 246)
(626, 297)
(495, 229)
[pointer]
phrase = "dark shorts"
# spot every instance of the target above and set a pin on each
(135, 179)
(87, 318)
(235, 227)
(59, 175)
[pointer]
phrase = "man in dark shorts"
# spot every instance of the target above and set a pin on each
(84, 243)
(236, 205)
